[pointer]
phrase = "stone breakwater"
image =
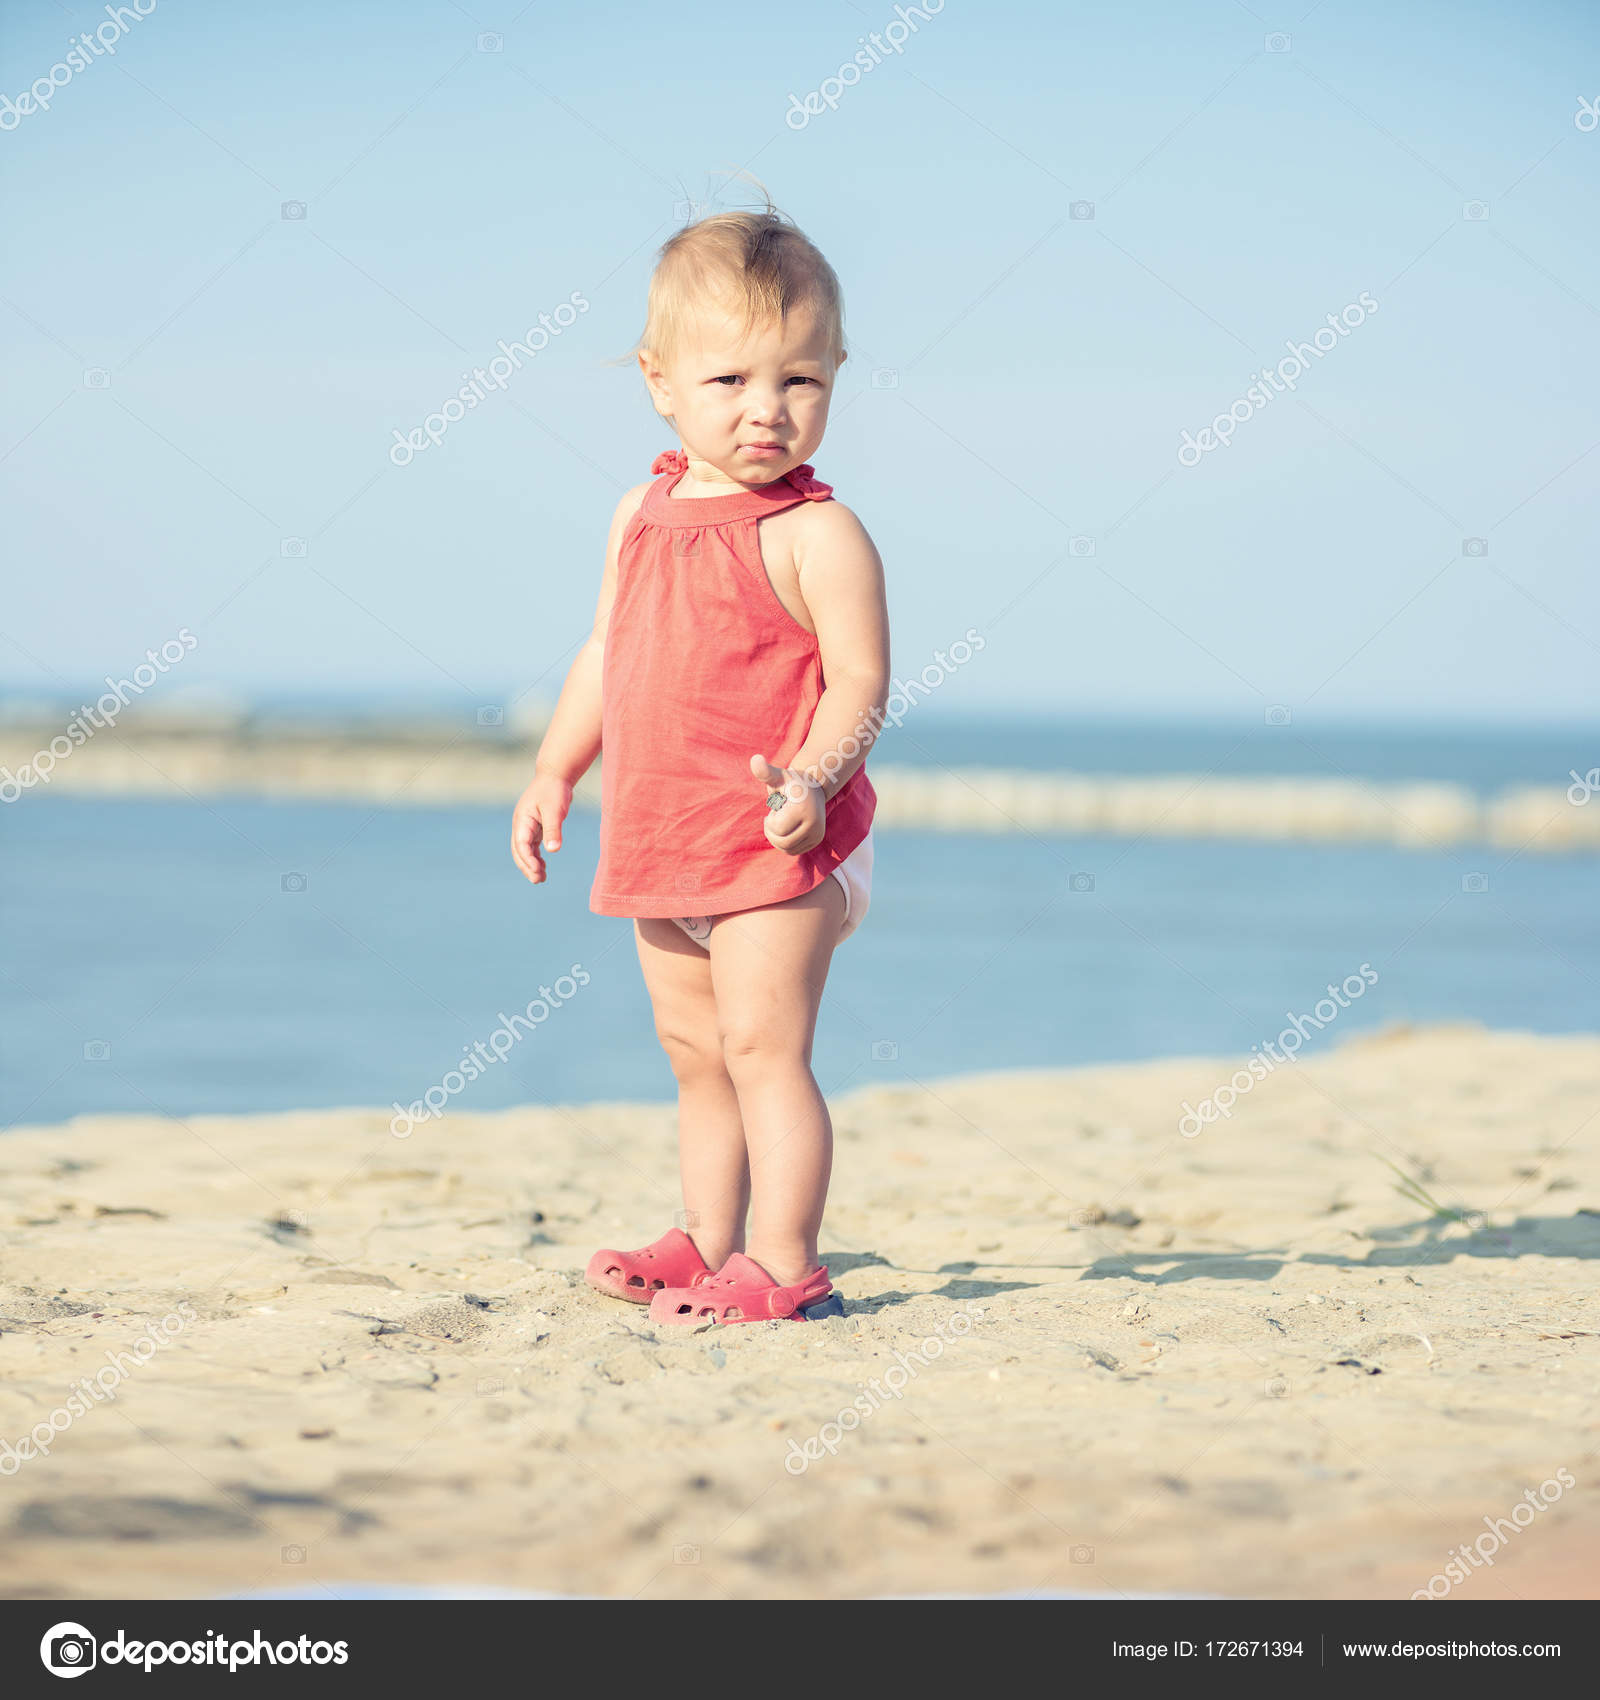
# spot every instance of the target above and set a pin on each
(442, 766)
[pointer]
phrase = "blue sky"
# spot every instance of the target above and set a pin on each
(463, 170)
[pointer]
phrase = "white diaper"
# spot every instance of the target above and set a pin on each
(854, 874)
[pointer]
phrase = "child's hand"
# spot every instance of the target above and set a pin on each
(536, 824)
(800, 824)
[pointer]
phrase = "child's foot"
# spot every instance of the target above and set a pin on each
(742, 1291)
(672, 1261)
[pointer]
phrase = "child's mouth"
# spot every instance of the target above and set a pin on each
(765, 451)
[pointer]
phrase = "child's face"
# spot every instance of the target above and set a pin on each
(753, 407)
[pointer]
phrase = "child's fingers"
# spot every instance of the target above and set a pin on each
(530, 862)
(795, 840)
(789, 825)
(793, 828)
(789, 780)
(770, 776)
(525, 832)
(795, 786)
(782, 823)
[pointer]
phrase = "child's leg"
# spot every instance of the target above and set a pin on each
(711, 1143)
(769, 967)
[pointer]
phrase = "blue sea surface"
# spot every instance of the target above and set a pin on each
(238, 954)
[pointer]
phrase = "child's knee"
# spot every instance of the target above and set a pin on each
(749, 1047)
(691, 1056)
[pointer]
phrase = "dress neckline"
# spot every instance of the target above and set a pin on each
(660, 506)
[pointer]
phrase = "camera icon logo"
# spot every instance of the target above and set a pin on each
(1475, 211)
(292, 548)
(68, 1649)
(490, 42)
(1476, 547)
(686, 1554)
(684, 1220)
(688, 881)
(885, 378)
(1080, 547)
(685, 542)
(293, 882)
(1082, 882)
(96, 378)
(1083, 1555)
(1278, 715)
(1277, 42)
(292, 1555)
(293, 210)
(490, 1387)
(1277, 1387)
(1474, 882)
(491, 715)
(1081, 210)
(96, 1050)
(885, 1050)
(686, 212)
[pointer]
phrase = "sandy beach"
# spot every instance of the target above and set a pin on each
(1241, 1363)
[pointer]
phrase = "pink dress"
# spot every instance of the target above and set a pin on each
(704, 668)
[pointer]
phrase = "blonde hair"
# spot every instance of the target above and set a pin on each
(758, 265)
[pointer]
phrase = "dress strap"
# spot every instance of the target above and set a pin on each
(803, 479)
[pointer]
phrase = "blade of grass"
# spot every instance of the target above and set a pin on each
(1413, 1191)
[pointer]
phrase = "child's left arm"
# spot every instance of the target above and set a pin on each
(841, 580)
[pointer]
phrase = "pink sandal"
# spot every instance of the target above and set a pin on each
(672, 1261)
(742, 1291)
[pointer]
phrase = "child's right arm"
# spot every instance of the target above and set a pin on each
(572, 740)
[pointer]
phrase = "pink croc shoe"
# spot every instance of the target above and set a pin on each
(742, 1291)
(672, 1261)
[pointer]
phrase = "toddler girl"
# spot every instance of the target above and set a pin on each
(735, 677)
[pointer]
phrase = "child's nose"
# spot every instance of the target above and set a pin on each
(766, 409)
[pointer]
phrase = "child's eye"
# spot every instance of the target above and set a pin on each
(734, 378)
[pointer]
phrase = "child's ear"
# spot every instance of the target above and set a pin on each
(655, 382)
